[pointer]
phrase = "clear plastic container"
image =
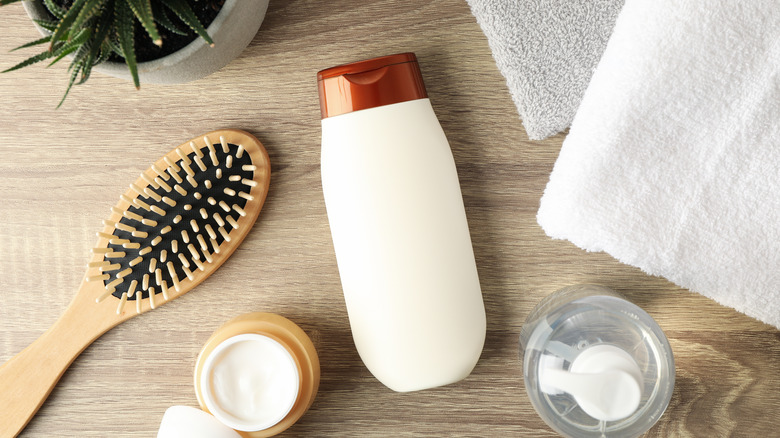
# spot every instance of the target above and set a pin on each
(596, 365)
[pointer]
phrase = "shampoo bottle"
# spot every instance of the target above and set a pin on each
(399, 226)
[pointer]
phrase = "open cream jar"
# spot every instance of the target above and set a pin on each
(249, 382)
(257, 374)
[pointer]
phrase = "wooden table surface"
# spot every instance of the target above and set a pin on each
(61, 171)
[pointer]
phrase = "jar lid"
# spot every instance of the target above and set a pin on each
(370, 83)
(180, 421)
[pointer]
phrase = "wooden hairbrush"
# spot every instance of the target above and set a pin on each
(175, 226)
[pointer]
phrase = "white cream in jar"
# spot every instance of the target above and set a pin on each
(250, 382)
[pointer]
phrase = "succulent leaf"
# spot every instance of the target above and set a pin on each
(49, 25)
(81, 56)
(143, 10)
(91, 7)
(77, 66)
(161, 17)
(123, 23)
(71, 46)
(98, 40)
(105, 52)
(31, 60)
(55, 9)
(183, 10)
(33, 43)
(64, 28)
(113, 41)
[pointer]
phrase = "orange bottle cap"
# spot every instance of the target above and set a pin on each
(369, 84)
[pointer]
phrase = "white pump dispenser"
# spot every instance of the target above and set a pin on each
(605, 381)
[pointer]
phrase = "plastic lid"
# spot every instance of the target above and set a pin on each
(181, 421)
(369, 84)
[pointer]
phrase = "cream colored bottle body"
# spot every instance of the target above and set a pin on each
(402, 245)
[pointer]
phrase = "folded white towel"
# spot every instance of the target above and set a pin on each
(672, 163)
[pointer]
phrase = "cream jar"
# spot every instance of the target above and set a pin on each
(257, 374)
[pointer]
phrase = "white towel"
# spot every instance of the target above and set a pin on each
(546, 50)
(672, 163)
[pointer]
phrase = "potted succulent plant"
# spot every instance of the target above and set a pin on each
(152, 41)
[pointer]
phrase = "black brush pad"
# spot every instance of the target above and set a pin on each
(216, 192)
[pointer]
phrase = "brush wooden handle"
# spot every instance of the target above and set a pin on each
(220, 201)
(28, 378)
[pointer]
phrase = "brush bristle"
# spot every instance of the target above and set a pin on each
(175, 223)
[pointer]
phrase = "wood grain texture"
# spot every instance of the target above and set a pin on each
(61, 171)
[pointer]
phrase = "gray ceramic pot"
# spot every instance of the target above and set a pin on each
(232, 30)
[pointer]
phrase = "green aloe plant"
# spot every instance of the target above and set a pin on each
(91, 30)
